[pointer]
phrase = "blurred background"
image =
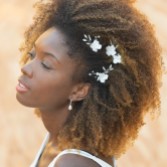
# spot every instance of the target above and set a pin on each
(22, 132)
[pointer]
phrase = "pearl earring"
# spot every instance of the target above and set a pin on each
(70, 106)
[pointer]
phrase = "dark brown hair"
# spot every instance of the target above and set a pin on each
(108, 120)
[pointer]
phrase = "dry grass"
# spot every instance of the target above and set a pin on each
(22, 132)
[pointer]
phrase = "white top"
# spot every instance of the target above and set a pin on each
(69, 151)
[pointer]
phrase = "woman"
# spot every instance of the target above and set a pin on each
(92, 70)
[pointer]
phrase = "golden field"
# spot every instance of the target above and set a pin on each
(22, 132)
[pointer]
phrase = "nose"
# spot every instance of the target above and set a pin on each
(27, 70)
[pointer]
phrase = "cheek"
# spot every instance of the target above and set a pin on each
(53, 91)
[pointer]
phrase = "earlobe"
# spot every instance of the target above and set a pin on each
(80, 92)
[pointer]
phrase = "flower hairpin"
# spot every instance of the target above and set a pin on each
(111, 51)
(101, 76)
(94, 44)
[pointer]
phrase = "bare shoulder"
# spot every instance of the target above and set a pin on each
(73, 160)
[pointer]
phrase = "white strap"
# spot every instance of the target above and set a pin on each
(82, 153)
(69, 151)
(45, 141)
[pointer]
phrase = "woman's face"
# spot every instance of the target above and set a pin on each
(46, 80)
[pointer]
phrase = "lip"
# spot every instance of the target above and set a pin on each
(21, 87)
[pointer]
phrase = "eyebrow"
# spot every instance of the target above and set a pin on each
(49, 54)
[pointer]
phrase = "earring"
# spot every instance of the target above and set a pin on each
(70, 106)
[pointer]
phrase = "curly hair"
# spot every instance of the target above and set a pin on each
(107, 121)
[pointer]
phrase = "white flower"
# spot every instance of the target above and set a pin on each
(102, 77)
(111, 50)
(95, 45)
(117, 59)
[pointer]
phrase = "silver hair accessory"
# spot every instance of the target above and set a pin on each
(111, 51)
(70, 105)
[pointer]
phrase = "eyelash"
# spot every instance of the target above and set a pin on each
(45, 66)
(32, 56)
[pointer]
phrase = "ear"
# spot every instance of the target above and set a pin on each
(80, 91)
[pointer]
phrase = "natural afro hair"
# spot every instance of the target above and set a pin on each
(109, 118)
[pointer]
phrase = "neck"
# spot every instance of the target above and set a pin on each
(54, 121)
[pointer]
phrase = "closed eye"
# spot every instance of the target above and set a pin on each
(45, 63)
(45, 66)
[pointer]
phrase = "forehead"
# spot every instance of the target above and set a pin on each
(53, 40)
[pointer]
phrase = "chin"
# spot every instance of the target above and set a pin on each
(24, 102)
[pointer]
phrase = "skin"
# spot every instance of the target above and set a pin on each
(49, 87)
